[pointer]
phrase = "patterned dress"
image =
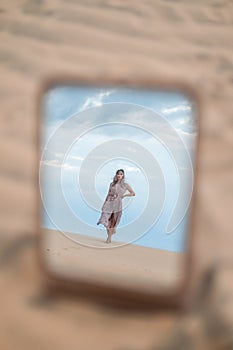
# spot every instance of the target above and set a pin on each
(112, 207)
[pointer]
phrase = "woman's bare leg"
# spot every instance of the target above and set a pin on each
(108, 240)
(110, 233)
(111, 229)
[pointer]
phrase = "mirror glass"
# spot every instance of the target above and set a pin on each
(116, 182)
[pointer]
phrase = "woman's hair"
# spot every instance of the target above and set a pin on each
(115, 178)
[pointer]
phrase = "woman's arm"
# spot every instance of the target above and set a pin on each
(131, 191)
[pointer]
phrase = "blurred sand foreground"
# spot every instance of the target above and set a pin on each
(129, 266)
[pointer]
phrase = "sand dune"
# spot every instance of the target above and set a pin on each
(130, 265)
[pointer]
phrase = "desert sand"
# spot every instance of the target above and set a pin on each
(129, 266)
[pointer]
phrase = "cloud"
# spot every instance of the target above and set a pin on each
(181, 118)
(183, 121)
(54, 163)
(132, 169)
(68, 166)
(95, 101)
(57, 164)
(179, 108)
(76, 157)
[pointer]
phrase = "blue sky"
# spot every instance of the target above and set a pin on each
(89, 133)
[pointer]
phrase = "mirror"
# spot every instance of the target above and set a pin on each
(116, 179)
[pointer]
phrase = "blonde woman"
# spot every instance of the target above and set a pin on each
(112, 207)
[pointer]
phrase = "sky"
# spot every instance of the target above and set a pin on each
(90, 132)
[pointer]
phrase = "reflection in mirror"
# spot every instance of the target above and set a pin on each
(116, 180)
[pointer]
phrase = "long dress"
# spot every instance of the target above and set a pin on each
(112, 207)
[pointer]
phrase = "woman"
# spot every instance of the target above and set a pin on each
(112, 207)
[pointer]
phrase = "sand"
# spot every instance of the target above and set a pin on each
(80, 257)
